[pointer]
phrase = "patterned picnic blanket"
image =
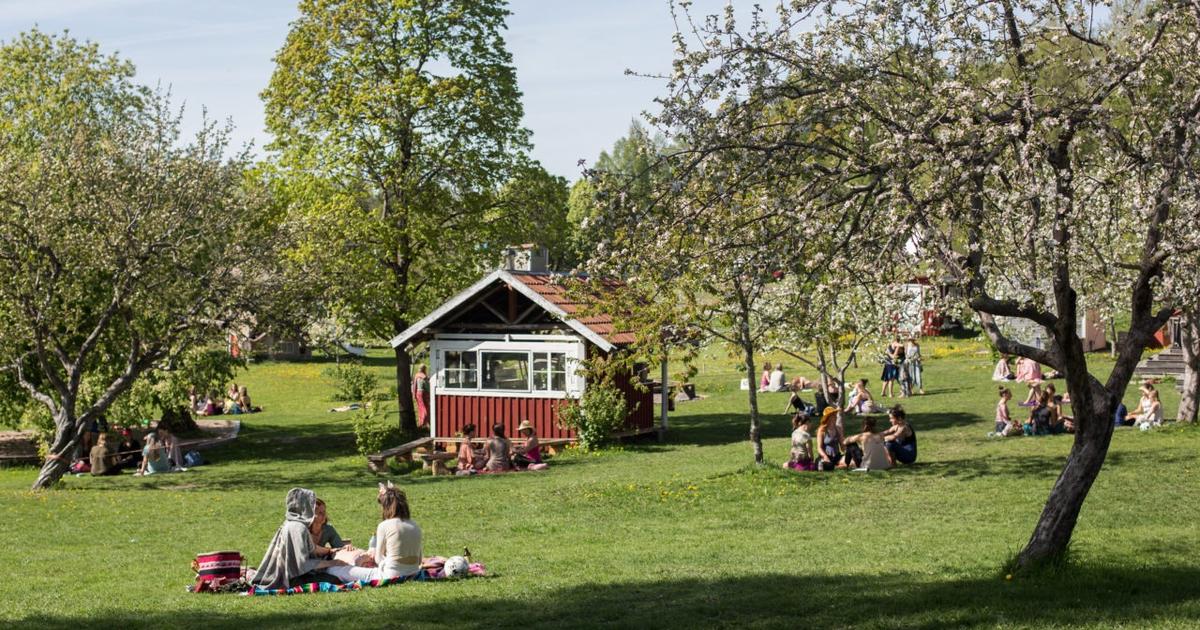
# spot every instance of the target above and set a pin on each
(424, 575)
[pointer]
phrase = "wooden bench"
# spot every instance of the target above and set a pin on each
(377, 462)
(437, 462)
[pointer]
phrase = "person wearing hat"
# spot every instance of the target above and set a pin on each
(531, 452)
(829, 440)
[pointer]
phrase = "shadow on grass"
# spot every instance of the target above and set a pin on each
(1095, 596)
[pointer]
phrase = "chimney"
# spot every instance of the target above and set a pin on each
(528, 257)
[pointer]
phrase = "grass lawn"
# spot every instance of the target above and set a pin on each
(685, 533)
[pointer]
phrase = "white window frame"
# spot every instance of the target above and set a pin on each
(572, 348)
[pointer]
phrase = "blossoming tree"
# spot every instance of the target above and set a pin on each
(1041, 153)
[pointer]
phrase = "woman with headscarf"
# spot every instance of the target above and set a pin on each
(290, 556)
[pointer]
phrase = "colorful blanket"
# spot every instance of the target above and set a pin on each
(424, 575)
(329, 587)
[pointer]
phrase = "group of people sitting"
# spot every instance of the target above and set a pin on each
(306, 548)
(499, 454)
(1028, 371)
(158, 452)
(866, 450)
(1046, 414)
(236, 401)
(1147, 415)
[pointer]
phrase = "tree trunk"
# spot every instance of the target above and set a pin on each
(68, 433)
(1094, 427)
(755, 434)
(1190, 397)
(404, 397)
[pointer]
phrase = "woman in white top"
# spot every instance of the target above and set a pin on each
(397, 550)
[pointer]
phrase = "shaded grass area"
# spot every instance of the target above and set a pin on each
(685, 533)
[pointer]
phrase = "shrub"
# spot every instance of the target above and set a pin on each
(351, 382)
(596, 416)
(372, 431)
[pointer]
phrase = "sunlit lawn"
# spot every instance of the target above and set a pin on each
(682, 534)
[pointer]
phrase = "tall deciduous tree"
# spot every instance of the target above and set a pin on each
(122, 243)
(397, 122)
(1045, 163)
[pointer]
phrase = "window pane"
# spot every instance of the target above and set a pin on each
(559, 382)
(540, 381)
(507, 371)
(460, 369)
(558, 362)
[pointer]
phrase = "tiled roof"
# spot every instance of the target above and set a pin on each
(550, 287)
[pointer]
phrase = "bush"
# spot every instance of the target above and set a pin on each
(372, 431)
(598, 414)
(352, 382)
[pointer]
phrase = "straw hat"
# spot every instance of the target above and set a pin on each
(525, 426)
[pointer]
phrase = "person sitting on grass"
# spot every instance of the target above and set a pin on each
(290, 559)
(531, 453)
(1060, 422)
(102, 460)
(1003, 418)
(170, 444)
(212, 405)
(470, 461)
(865, 451)
(900, 439)
(801, 456)
(861, 400)
(1002, 372)
(154, 457)
(1035, 393)
(397, 550)
(765, 379)
(801, 383)
(129, 451)
(1041, 417)
(497, 451)
(1152, 414)
(243, 401)
(325, 537)
(829, 440)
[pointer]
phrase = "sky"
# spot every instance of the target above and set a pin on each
(571, 57)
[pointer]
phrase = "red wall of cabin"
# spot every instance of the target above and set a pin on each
(453, 412)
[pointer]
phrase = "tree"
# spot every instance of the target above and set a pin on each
(1042, 162)
(1190, 398)
(122, 244)
(395, 124)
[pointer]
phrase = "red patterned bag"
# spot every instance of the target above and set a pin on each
(215, 569)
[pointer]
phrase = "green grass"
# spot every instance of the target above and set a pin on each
(681, 534)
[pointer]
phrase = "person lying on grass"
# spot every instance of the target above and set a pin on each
(290, 559)
(397, 549)
(865, 451)
(801, 456)
(900, 439)
(470, 461)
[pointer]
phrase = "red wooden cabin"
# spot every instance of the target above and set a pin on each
(507, 349)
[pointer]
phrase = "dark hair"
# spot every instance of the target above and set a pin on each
(898, 412)
(799, 419)
(498, 430)
(320, 503)
(862, 381)
(395, 504)
(1004, 390)
(1051, 388)
(868, 425)
(468, 428)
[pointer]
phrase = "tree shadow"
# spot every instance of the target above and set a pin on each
(1078, 596)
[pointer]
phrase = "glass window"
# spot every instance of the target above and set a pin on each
(507, 371)
(550, 371)
(461, 369)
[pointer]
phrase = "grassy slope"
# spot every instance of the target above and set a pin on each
(678, 534)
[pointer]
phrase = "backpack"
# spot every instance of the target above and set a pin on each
(191, 459)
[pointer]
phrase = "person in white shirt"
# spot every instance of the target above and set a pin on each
(397, 549)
